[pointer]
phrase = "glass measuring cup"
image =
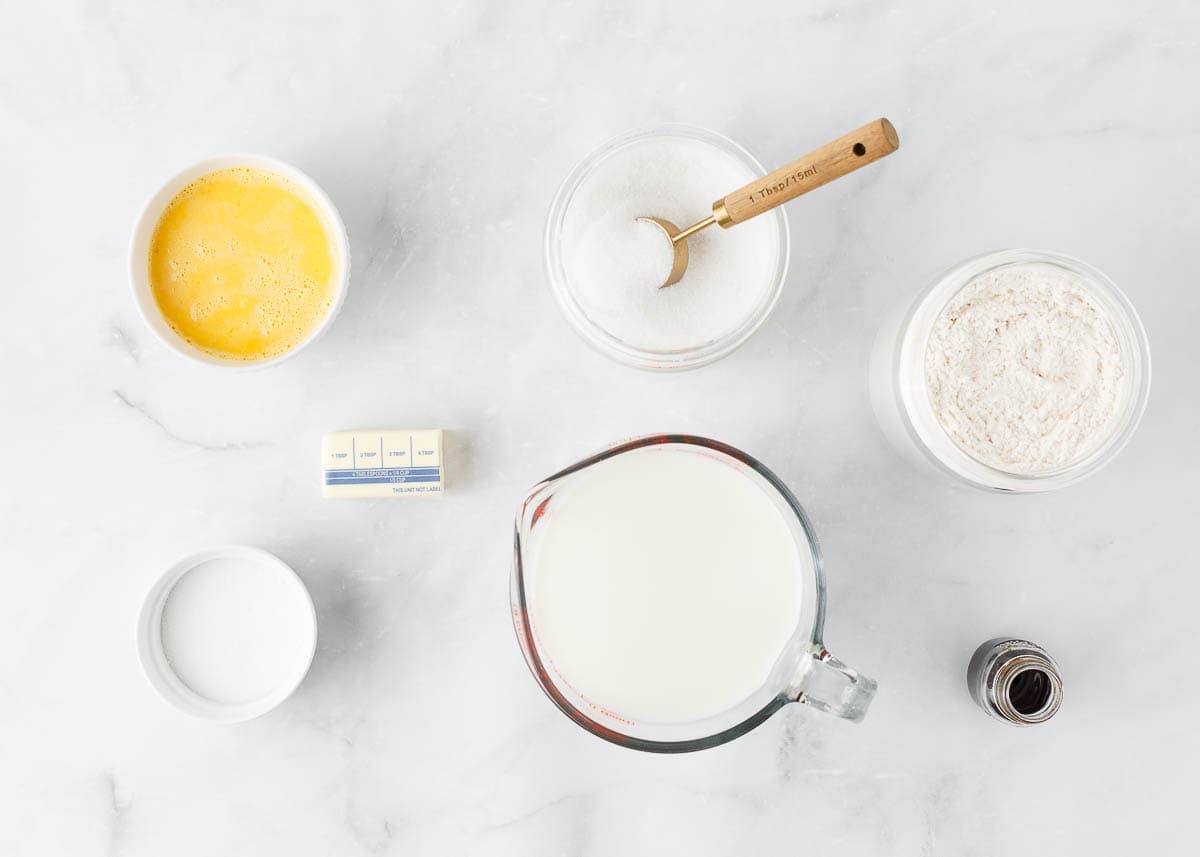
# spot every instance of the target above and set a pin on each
(804, 670)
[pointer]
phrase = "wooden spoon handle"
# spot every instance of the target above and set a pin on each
(844, 155)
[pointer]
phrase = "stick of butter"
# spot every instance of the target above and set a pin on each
(382, 463)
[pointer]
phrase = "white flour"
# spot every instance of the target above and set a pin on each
(1024, 370)
(614, 264)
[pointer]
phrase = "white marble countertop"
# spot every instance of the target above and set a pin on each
(442, 131)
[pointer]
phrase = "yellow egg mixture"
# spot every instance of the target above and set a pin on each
(242, 265)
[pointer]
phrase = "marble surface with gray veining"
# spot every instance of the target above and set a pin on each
(441, 130)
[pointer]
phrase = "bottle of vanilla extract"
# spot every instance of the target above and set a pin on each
(1015, 681)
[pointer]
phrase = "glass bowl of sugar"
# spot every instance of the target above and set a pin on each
(1017, 371)
(605, 267)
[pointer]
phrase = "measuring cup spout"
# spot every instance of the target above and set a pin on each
(827, 684)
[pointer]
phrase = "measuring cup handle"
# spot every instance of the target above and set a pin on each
(827, 684)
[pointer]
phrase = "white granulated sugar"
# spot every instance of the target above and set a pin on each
(1024, 369)
(614, 264)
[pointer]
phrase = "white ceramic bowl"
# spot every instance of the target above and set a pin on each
(161, 674)
(152, 211)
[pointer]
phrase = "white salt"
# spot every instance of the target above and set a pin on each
(235, 632)
(615, 264)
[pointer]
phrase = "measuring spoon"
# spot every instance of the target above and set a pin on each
(844, 155)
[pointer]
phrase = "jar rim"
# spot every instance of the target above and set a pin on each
(1007, 676)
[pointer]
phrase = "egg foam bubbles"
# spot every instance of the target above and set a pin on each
(242, 264)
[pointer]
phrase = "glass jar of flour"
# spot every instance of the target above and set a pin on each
(1017, 371)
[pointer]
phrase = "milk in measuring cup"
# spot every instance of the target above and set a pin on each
(666, 585)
